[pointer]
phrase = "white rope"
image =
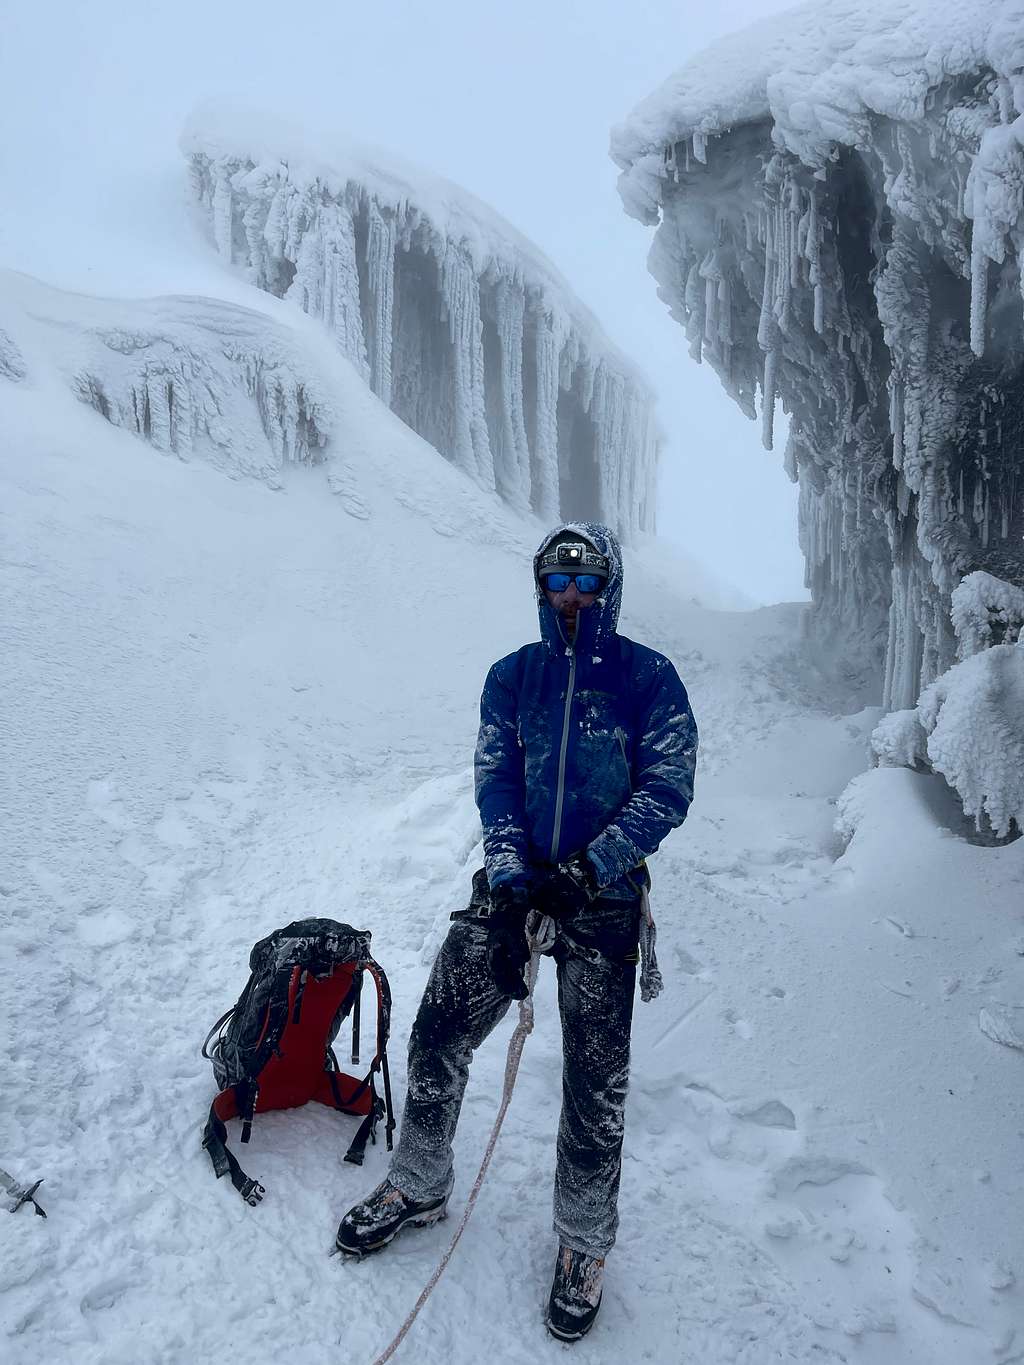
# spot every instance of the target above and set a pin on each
(515, 1052)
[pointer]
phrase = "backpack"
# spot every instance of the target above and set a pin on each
(273, 1049)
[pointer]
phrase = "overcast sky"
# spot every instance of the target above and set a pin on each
(513, 102)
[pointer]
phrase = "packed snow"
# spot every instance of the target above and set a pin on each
(457, 322)
(247, 615)
(237, 704)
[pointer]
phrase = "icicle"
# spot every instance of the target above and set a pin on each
(1005, 95)
(275, 225)
(380, 257)
(771, 364)
(512, 451)
(813, 252)
(223, 235)
(461, 295)
(794, 232)
(979, 272)
(545, 449)
(159, 411)
(767, 325)
(342, 266)
(700, 148)
(711, 273)
(896, 419)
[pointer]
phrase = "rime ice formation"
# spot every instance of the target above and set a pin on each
(840, 192)
(193, 376)
(968, 724)
(457, 322)
(12, 366)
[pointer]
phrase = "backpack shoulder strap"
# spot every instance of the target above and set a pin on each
(383, 1031)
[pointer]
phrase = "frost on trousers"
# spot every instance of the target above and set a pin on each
(841, 207)
(457, 322)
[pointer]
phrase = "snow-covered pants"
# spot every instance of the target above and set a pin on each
(596, 963)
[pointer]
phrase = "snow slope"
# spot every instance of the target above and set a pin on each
(233, 705)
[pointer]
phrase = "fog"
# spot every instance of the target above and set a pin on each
(515, 105)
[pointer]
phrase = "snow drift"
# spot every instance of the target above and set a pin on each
(457, 322)
(840, 196)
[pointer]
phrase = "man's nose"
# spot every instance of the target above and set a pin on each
(571, 593)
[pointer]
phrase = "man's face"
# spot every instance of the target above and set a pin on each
(569, 603)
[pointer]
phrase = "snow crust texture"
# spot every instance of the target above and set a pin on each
(457, 322)
(219, 730)
(840, 198)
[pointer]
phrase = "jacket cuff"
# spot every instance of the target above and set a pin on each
(613, 855)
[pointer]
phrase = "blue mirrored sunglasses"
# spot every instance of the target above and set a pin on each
(585, 582)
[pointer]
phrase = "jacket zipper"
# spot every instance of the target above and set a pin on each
(620, 735)
(560, 789)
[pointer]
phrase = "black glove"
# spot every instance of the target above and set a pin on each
(508, 950)
(568, 888)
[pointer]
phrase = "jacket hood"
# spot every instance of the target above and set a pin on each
(595, 626)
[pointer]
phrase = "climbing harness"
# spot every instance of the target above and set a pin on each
(542, 932)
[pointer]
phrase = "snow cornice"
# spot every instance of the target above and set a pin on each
(820, 73)
(336, 162)
(457, 322)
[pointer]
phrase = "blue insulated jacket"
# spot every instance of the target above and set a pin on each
(583, 746)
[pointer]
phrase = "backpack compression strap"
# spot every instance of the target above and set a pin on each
(240, 1099)
(215, 1140)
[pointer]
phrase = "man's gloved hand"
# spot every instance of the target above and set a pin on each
(568, 888)
(508, 950)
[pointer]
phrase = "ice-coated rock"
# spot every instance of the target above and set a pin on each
(192, 376)
(455, 319)
(840, 192)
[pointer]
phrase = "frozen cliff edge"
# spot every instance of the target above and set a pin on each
(195, 377)
(455, 319)
(840, 192)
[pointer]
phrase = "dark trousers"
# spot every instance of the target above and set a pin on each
(596, 964)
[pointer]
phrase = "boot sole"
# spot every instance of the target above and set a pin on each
(568, 1334)
(419, 1220)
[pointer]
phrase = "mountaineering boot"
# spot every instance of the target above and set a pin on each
(575, 1294)
(372, 1224)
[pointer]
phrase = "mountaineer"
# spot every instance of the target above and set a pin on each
(584, 763)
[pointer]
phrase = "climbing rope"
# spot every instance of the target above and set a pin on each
(541, 931)
(541, 937)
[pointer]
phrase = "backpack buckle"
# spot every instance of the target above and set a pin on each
(252, 1192)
